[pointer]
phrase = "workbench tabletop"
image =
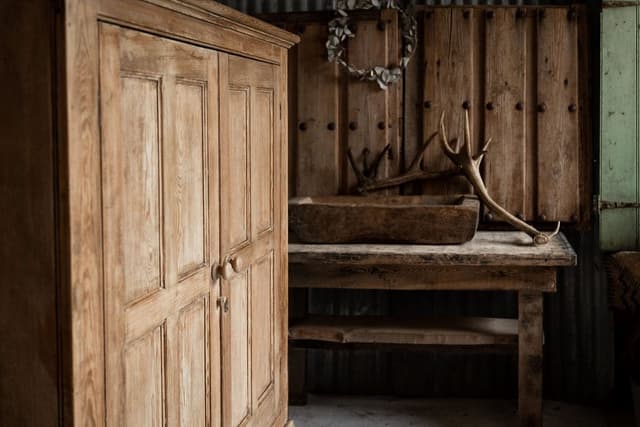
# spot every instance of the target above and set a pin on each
(497, 248)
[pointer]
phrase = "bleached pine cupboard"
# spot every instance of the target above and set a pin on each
(143, 251)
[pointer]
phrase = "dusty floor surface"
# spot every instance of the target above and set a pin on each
(337, 411)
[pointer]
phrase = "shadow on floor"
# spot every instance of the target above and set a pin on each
(339, 411)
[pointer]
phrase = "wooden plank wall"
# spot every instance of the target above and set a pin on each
(521, 74)
(335, 112)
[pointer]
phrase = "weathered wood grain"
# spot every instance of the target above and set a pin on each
(506, 165)
(530, 336)
(80, 211)
(318, 151)
(587, 100)
(448, 83)
(421, 277)
(120, 158)
(558, 130)
(373, 114)
(253, 368)
(399, 219)
(462, 331)
(160, 209)
(487, 248)
(205, 23)
(412, 109)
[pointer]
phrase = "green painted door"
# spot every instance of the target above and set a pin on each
(619, 121)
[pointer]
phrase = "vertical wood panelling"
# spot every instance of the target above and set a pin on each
(154, 141)
(412, 109)
(194, 363)
(318, 153)
(239, 349)
(506, 165)
(530, 63)
(448, 74)
(140, 169)
(252, 386)
(190, 191)
(558, 130)
(262, 172)
(237, 200)
(372, 113)
(110, 212)
(262, 327)
(619, 126)
(80, 211)
(144, 378)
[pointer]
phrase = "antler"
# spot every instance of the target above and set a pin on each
(367, 176)
(470, 166)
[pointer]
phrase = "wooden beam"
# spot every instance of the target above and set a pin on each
(487, 248)
(467, 331)
(419, 277)
(530, 358)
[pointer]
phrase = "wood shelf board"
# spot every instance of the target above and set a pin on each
(488, 248)
(458, 331)
(422, 277)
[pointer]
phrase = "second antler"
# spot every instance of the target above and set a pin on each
(470, 166)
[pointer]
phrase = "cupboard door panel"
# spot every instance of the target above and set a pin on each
(249, 90)
(237, 158)
(144, 379)
(238, 347)
(190, 184)
(139, 167)
(262, 327)
(160, 229)
(194, 354)
(262, 161)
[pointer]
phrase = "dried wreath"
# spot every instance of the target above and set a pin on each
(339, 31)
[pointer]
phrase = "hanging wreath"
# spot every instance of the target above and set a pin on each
(339, 32)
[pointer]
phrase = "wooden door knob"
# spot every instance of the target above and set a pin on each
(228, 268)
(237, 264)
(225, 270)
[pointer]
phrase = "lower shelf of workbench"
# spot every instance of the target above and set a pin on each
(434, 331)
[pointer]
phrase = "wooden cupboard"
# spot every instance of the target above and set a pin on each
(144, 176)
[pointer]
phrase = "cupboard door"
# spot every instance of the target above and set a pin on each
(250, 233)
(159, 121)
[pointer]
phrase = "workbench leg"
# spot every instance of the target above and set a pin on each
(530, 335)
(297, 356)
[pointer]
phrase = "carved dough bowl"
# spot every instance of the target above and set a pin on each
(392, 219)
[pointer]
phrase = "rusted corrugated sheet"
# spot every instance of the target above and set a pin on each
(270, 6)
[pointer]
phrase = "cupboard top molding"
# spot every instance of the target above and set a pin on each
(201, 22)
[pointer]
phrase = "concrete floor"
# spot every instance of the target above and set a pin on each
(338, 411)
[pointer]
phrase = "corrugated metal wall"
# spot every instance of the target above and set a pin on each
(579, 356)
(271, 6)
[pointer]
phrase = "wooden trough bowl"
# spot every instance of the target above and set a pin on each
(389, 219)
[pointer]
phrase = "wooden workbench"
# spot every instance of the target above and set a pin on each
(492, 261)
